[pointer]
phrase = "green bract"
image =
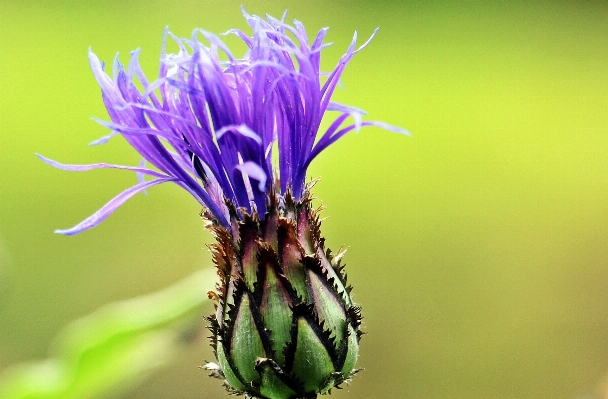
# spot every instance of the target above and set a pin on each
(285, 325)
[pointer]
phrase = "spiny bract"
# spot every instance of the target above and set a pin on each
(285, 325)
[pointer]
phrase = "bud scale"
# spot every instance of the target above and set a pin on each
(285, 326)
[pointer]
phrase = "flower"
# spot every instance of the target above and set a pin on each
(285, 325)
(210, 125)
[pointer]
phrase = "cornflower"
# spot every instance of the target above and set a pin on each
(285, 325)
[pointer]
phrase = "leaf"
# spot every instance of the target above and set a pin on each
(115, 346)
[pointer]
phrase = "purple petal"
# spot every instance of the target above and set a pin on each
(390, 128)
(141, 177)
(84, 168)
(109, 208)
(103, 139)
(364, 45)
(330, 140)
(254, 171)
(356, 113)
(136, 131)
(243, 130)
(210, 120)
(108, 87)
(240, 34)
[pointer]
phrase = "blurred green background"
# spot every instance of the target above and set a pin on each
(477, 248)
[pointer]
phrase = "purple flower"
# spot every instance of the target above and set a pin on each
(211, 121)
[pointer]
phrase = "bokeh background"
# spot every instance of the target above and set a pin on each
(477, 247)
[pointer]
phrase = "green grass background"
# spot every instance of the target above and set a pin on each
(477, 247)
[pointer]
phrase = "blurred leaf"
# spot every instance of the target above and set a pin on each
(114, 346)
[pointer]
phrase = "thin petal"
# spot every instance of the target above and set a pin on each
(330, 140)
(103, 139)
(110, 207)
(141, 177)
(136, 131)
(108, 87)
(84, 168)
(254, 171)
(364, 45)
(356, 113)
(243, 130)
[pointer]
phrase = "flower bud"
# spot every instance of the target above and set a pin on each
(285, 325)
(239, 133)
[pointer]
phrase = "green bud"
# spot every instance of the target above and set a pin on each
(285, 326)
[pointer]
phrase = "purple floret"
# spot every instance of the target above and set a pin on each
(210, 121)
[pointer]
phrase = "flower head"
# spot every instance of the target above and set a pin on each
(211, 120)
(285, 325)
